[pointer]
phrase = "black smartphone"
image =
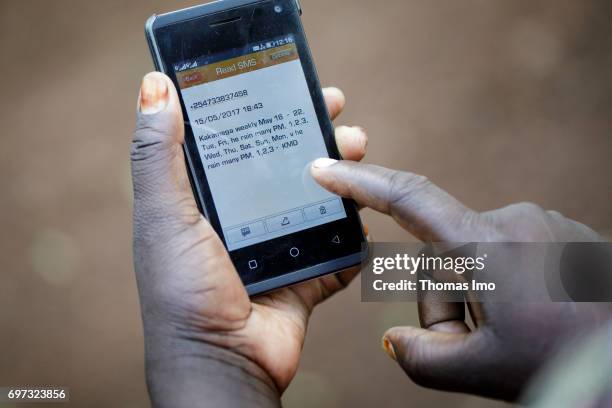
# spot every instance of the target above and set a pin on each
(255, 119)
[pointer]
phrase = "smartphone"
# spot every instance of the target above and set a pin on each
(255, 119)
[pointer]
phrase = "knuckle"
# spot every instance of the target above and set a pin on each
(531, 207)
(403, 186)
(496, 227)
(152, 178)
(523, 221)
(154, 135)
(148, 144)
(527, 208)
(572, 230)
(161, 218)
(556, 214)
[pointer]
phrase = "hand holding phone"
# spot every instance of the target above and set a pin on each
(198, 318)
(255, 119)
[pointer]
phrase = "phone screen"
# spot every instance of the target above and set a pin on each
(257, 132)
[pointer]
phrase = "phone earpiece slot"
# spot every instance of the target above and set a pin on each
(226, 21)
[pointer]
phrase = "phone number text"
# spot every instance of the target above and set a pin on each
(216, 100)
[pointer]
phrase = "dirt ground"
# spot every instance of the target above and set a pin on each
(496, 101)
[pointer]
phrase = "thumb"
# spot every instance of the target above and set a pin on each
(162, 190)
(445, 360)
(169, 232)
(422, 208)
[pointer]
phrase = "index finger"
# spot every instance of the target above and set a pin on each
(422, 208)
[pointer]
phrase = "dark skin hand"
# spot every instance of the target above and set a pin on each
(510, 340)
(207, 343)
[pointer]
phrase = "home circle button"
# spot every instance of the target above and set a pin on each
(294, 252)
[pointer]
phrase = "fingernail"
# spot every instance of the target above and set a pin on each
(153, 94)
(323, 162)
(388, 346)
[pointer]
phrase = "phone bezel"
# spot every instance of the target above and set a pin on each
(186, 34)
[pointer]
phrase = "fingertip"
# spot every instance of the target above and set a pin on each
(323, 163)
(352, 142)
(393, 334)
(398, 336)
(335, 93)
(387, 345)
(156, 74)
(159, 76)
(335, 101)
(318, 166)
(159, 116)
(157, 94)
(394, 342)
(319, 170)
(153, 97)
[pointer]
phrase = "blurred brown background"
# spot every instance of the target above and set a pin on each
(496, 101)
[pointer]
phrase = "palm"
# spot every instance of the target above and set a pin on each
(278, 323)
(268, 329)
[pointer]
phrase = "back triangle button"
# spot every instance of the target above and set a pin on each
(336, 240)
